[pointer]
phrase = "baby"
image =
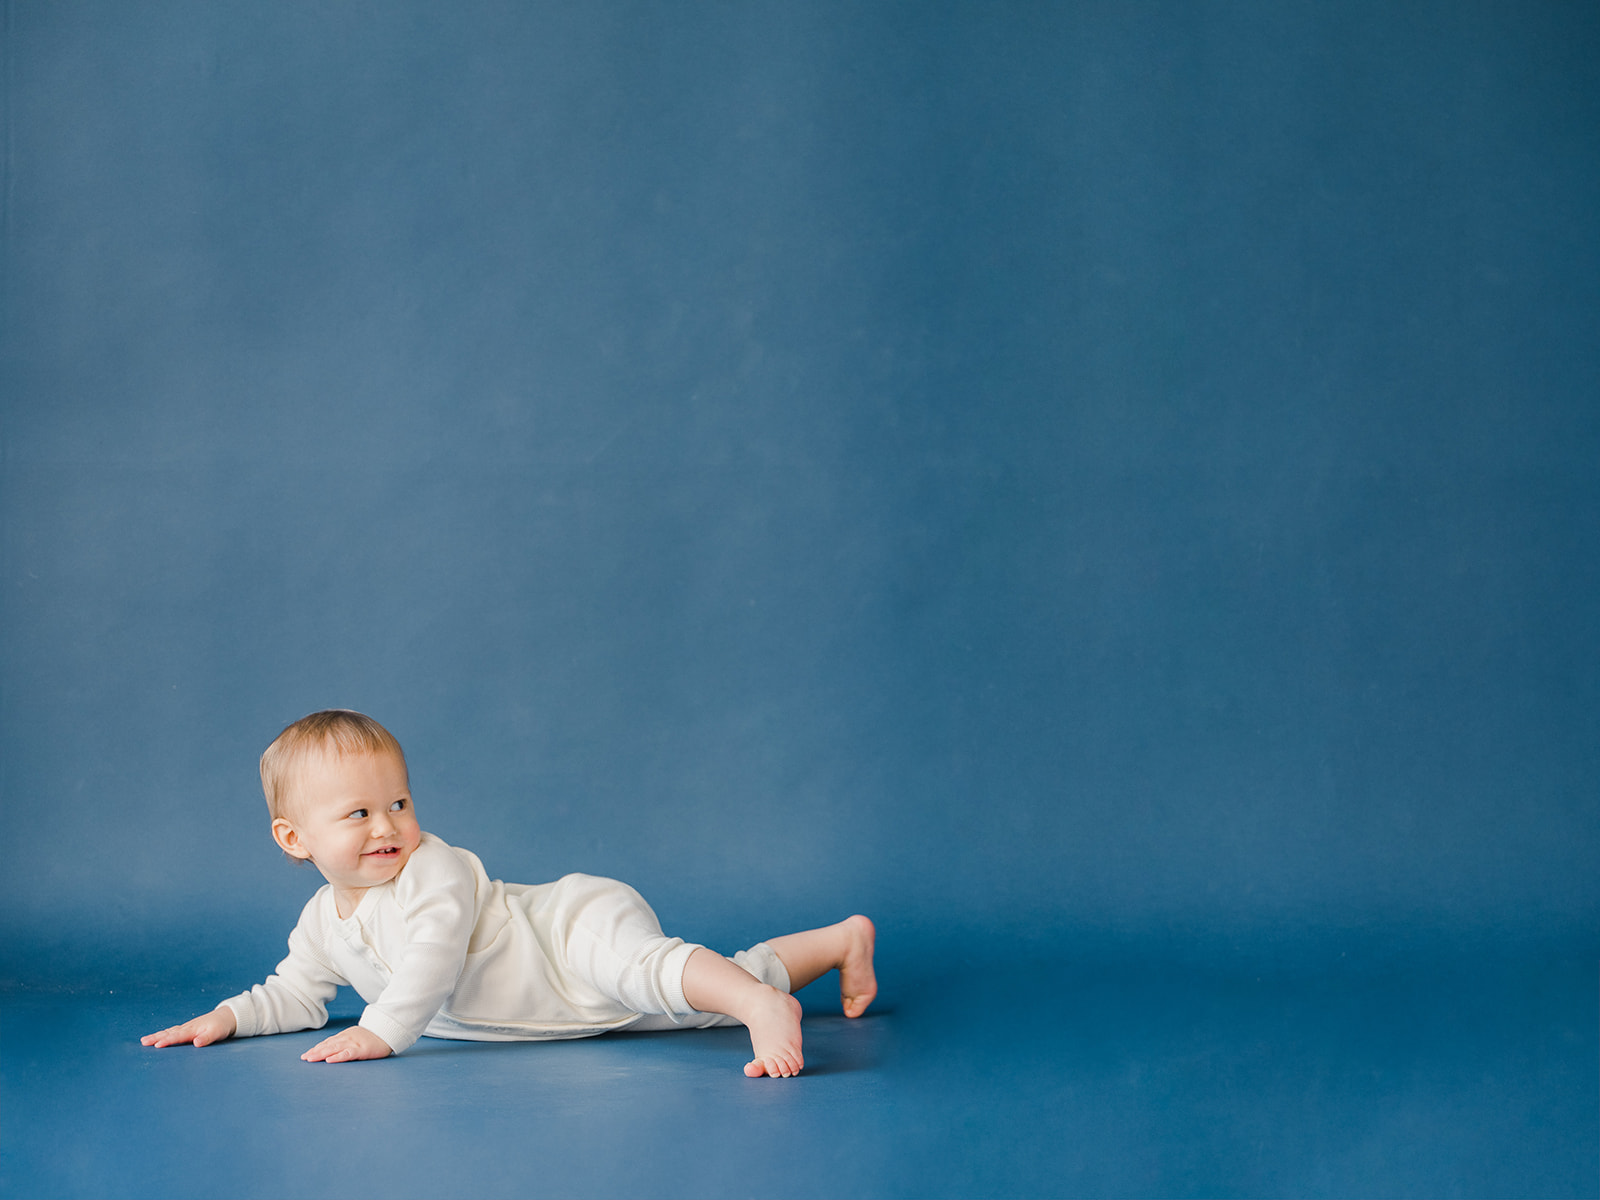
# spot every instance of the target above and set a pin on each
(433, 945)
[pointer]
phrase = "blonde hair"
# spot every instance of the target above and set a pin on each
(334, 730)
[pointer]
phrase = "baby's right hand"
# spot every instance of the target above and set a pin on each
(202, 1031)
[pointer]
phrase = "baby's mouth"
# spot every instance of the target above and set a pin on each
(384, 853)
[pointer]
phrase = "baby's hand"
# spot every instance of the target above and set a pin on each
(202, 1031)
(348, 1045)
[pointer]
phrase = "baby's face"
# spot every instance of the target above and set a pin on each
(351, 815)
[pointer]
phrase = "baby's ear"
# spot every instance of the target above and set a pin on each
(283, 832)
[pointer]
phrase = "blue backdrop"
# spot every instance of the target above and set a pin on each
(1027, 471)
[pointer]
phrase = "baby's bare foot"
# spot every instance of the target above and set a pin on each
(857, 982)
(774, 1024)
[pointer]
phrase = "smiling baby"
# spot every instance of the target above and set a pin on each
(433, 945)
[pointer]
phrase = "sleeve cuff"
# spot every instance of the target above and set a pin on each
(244, 1015)
(391, 1031)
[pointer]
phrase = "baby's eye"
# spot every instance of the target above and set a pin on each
(398, 806)
(359, 813)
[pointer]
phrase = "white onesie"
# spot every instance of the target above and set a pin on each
(443, 949)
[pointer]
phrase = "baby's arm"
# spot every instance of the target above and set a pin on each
(436, 892)
(437, 898)
(215, 1026)
(294, 997)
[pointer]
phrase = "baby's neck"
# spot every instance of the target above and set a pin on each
(347, 900)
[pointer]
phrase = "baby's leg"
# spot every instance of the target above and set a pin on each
(845, 947)
(712, 983)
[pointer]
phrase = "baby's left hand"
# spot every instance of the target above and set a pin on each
(348, 1045)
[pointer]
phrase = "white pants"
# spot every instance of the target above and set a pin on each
(614, 943)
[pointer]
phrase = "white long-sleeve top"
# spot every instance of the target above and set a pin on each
(443, 949)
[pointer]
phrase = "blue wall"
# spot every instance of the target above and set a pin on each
(1024, 470)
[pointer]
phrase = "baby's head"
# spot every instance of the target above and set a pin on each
(340, 797)
(332, 732)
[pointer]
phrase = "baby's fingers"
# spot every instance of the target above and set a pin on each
(317, 1053)
(329, 1049)
(352, 1045)
(329, 1054)
(174, 1035)
(202, 1031)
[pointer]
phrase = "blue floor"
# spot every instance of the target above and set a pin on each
(1473, 1076)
